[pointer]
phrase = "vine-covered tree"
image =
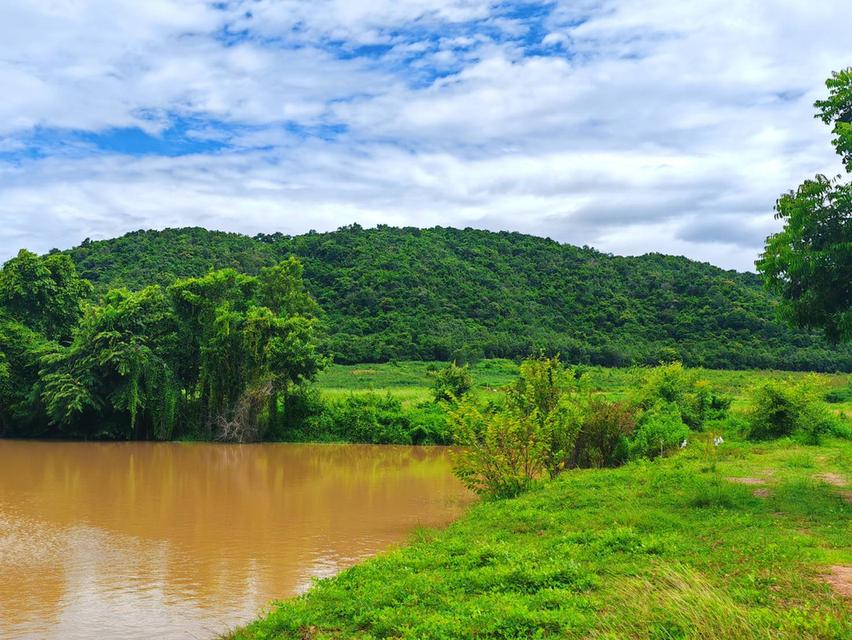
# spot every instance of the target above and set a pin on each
(809, 262)
(212, 357)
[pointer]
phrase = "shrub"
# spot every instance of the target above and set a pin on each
(531, 435)
(676, 385)
(841, 394)
(373, 419)
(452, 383)
(603, 437)
(660, 429)
(502, 454)
(782, 408)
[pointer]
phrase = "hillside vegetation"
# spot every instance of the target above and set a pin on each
(439, 294)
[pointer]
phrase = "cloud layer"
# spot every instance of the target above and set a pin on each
(630, 126)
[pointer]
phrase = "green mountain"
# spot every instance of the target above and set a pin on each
(442, 293)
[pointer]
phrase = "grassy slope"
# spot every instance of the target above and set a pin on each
(670, 549)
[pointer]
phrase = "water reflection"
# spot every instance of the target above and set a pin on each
(133, 540)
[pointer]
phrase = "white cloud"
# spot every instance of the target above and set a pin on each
(631, 126)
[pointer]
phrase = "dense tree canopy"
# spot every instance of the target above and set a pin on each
(443, 294)
(809, 262)
(213, 356)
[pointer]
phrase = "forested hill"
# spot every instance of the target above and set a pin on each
(391, 293)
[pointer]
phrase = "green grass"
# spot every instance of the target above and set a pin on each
(665, 549)
(410, 382)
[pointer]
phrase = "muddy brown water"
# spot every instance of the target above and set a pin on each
(174, 540)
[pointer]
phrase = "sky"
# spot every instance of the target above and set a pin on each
(627, 125)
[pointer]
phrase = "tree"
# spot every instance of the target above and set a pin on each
(837, 109)
(43, 292)
(809, 262)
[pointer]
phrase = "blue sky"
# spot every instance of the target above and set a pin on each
(628, 125)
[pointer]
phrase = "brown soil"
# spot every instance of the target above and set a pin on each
(834, 479)
(746, 480)
(840, 578)
(761, 493)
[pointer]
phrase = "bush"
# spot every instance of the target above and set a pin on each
(374, 419)
(660, 429)
(782, 408)
(841, 394)
(452, 383)
(603, 438)
(676, 385)
(502, 454)
(531, 435)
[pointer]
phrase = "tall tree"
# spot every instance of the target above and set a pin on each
(43, 292)
(809, 262)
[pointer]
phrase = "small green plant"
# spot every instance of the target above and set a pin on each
(452, 383)
(660, 429)
(532, 434)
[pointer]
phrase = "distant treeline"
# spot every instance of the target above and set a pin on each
(443, 294)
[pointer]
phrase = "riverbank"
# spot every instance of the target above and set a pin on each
(743, 541)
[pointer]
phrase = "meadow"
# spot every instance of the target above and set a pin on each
(411, 382)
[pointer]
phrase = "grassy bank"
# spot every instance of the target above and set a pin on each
(736, 542)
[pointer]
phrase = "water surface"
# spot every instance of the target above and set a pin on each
(171, 540)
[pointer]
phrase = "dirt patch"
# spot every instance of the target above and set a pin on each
(363, 372)
(761, 493)
(746, 480)
(846, 495)
(834, 479)
(840, 578)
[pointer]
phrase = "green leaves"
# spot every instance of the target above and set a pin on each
(809, 263)
(837, 110)
(43, 292)
(208, 355)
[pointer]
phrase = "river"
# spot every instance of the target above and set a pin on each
(187, 540)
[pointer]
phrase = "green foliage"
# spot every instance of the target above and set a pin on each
(444, 294)
(842, 394)
(660, 429)
(673, 384)
(603, 440)
(809, 262)
(211, 357)
(502, 453)
(372, 418)
(452, 383)
(779, 410)
(837, 111)
(43, 292)
(531, 435)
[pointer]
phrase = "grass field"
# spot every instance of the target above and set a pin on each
(410, 381)
(743, 541)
